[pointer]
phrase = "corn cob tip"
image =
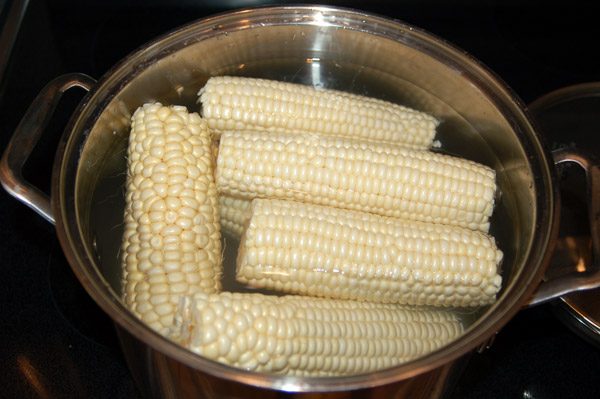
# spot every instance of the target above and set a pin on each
(234, 215)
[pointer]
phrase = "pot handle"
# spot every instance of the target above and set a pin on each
(26, 136)
(584, 280)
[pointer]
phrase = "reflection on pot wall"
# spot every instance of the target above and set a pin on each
(159, 376)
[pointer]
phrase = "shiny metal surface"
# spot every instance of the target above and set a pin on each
(162, 377)
(27, 135)
(481, 120)
(581, 103)
(577, 280)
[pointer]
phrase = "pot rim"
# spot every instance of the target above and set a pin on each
(82, 261)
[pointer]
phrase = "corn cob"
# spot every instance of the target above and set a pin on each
(171, 245)
(378, 178)
(240, 104)
(297, 335)
(234, 214)
(328, 252)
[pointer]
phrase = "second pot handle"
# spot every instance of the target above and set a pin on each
(26, 136)
(575, 281)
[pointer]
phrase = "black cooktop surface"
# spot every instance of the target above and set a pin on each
(56, 343)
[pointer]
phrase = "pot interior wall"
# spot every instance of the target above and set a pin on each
(408, 70)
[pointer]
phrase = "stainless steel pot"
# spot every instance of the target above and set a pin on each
(322, 46)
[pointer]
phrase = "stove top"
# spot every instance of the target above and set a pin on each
(56, 343)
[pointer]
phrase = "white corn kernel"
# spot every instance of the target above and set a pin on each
(159, 223)
(384, 259)
(309, 336)
(419, 185)
(233, 215)
(238, 103)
